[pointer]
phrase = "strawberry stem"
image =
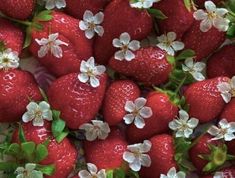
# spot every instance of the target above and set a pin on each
(180, 84)
(27, 23)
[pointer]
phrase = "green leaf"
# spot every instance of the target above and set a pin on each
(41, 152)
(8, 166)
(13, 149)
(157, 13)
(231, 31)
(188, 4)
(61, 136)
(171, 59)
(57, 127)
(119, 173)
(46, 169)
(56, 114)
(44, 15)
(188, 53)
(109, 174)
(28, 148)
(21, 134)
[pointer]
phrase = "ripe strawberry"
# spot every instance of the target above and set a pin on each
(63, 155)
(17, 9)
(202, 147)
(164, 111)
(149, 66)
(77, 101)
(200, 3)
(228, 111)
(78, 7)
(203, 43)
(118, 93)
(204, 99)
(226, 172)
(17, 88)
(138, 25)
(222, 63)
(11, 36)
(179, 18)
(162, 157)
(106, 154)
(78, 49)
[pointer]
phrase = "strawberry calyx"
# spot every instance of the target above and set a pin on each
(121, 173)
(24, 152)
(217, 158)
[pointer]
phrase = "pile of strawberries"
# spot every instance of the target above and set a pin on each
(124, 89)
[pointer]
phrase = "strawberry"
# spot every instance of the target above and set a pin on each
(63, 155)
(17, 9)
(77, 49)
(203, 43)
(179, 18)
(228, 111)
(149, 66)
(204, 99)
(17, 88)
(11, 36)
(118, 93)
(226, 173)
(200, 3)
(164, 110)
(162, 157)
(106, 154)
(76, 8)
(222, 63)
(77, 101)
(138, 25)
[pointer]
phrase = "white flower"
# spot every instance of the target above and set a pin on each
(183, 125)
(51, 4)
(212, 17)
(90, 72)
(168, 43)
(37, 113)
(227, 89)
(92, 172)
(28, 172)
(224, 131)
(173, 174)
(9, 59)
(137, 112)
(91, 24)
(51, 44)
(218, 175)
(127, 46)
(143, 4)
(136, 156)
(98, 129)
(195, 69)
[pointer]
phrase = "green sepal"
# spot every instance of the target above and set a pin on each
(28, 37)
(157, 13)
(119, 173)
(171, 59)
(182, 147)
(109, 174)
(28, 148)
(41, 152)
(44, 16)
(132, 174)
(21, 134)
(8, 166)
(14, 149)
(58, 127)
(187, 53)
(217, 157)
(231, 31)
(46, 169)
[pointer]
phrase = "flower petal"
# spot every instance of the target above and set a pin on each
(200, 14)
(129, 106)
(140, 102)
(92, 168)
(139, 122)
(94, 82)
(129, 118)
(146, 112)
(128, 156)
(125, 38)
(205, 25)
(145, 160)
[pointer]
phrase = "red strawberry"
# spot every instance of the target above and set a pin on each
(228, 111)
(106, 154)
(222, 63)
(149, 66)
(78, 49)
(118, 93)
(164, 111)
(63, 155)
(226, 173)
(203, 43)
(162, 157)
(204, 99)
(11, 36)
(200, 3)
(77, 101)
(76, 8)
(202, 148)
(178, 20)
(17, 88)
(17, 9)
(138, 25)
